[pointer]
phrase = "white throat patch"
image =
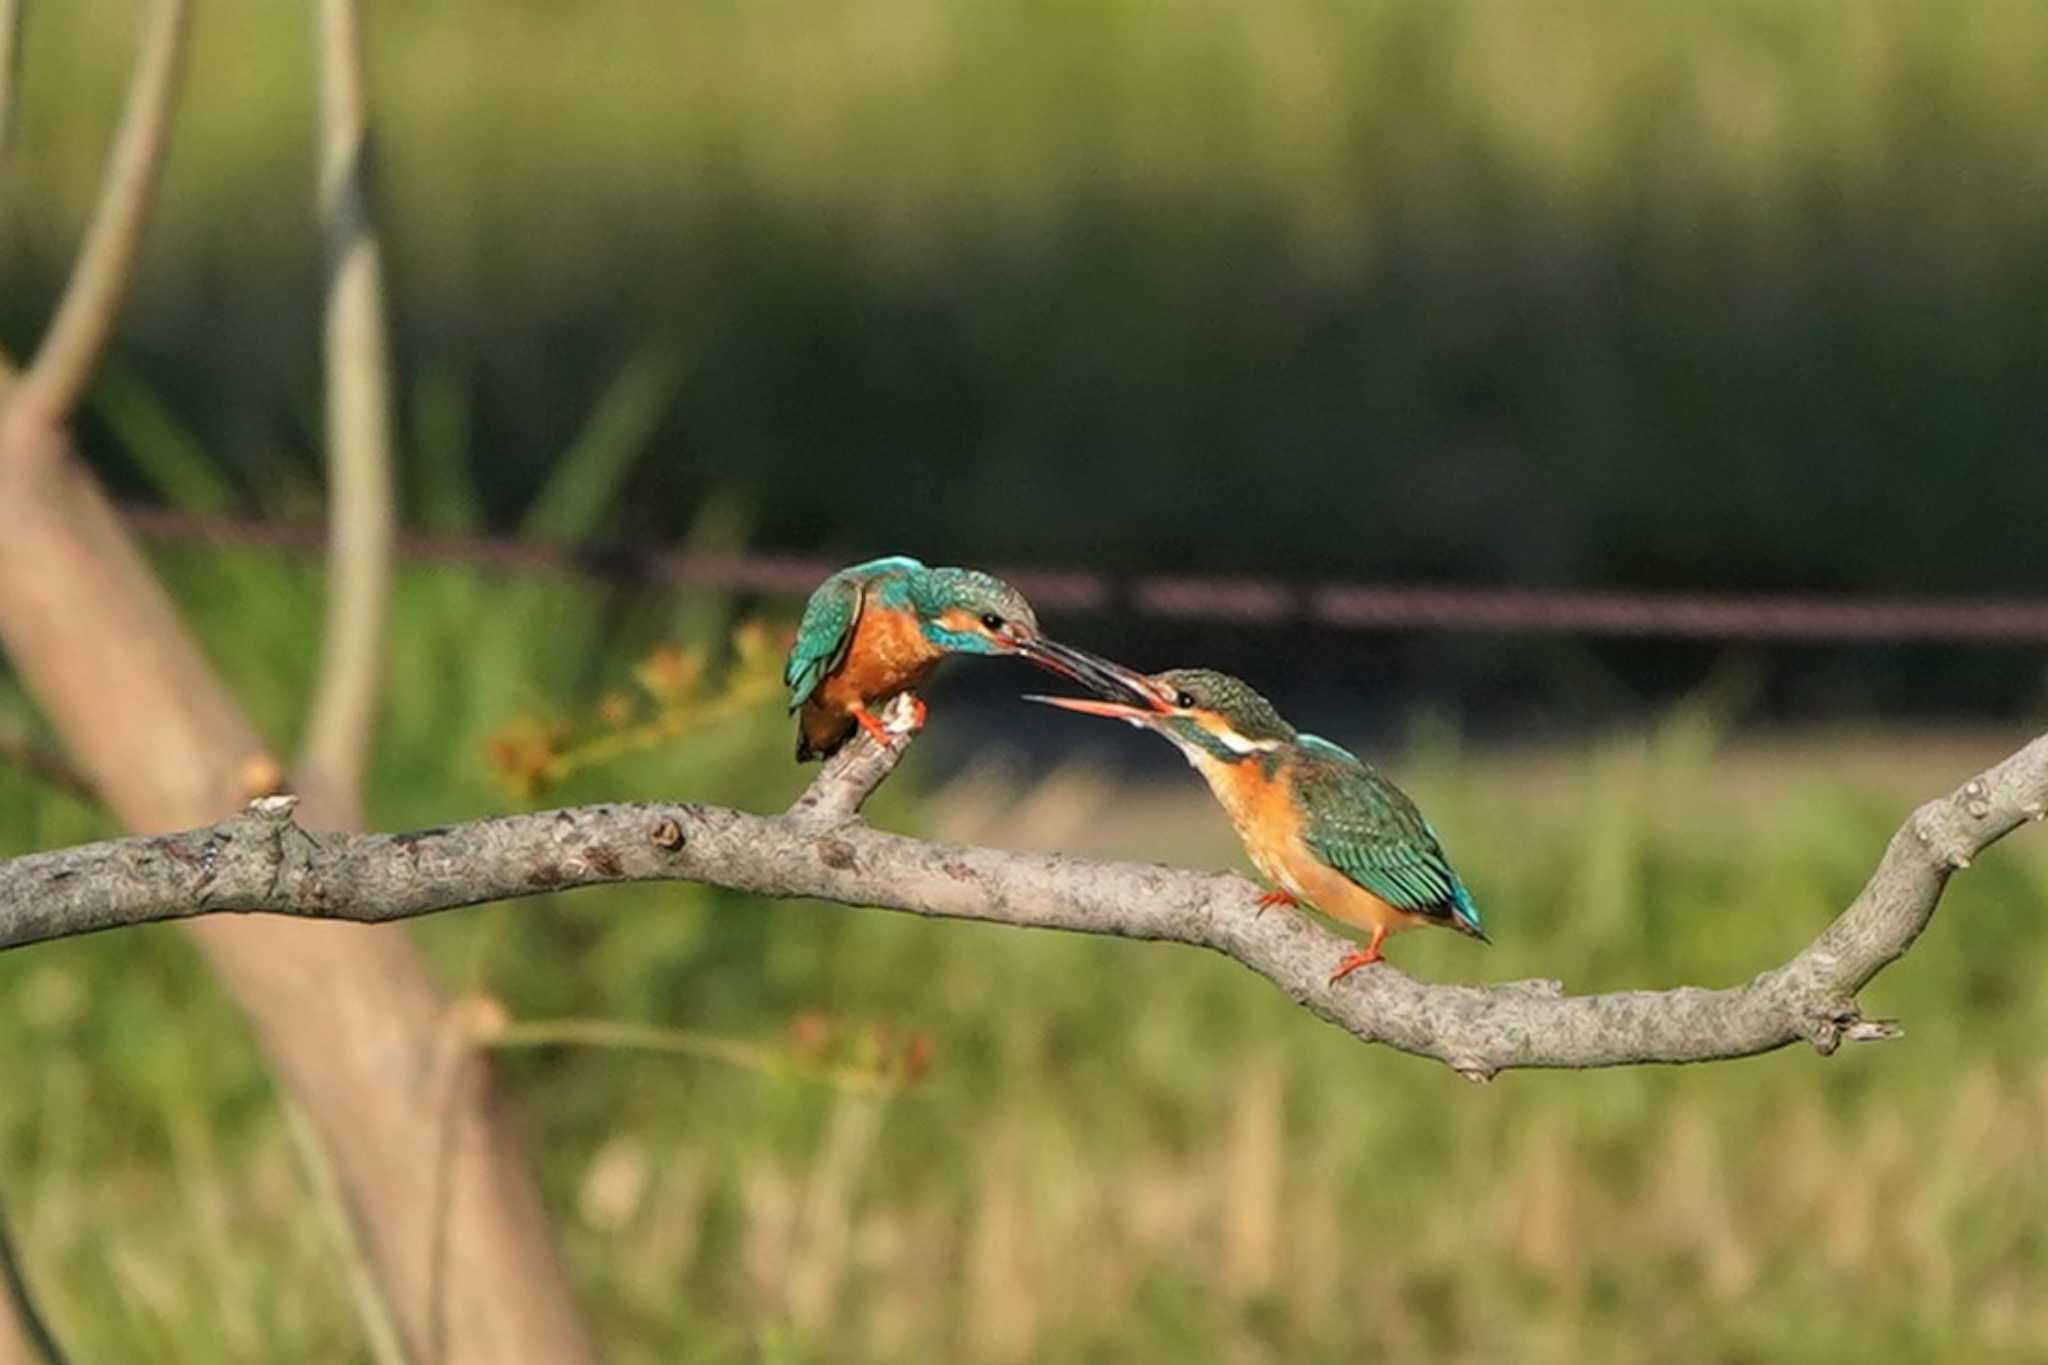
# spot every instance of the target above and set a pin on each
(1238, 744)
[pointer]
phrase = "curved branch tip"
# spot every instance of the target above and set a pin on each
(79, 332)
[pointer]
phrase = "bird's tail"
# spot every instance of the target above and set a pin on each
(1465, 915)
(820, 734)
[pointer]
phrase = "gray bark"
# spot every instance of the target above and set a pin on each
(263, 860)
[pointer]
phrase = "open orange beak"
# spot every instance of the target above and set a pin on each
(1121, 693)
(1089, 706)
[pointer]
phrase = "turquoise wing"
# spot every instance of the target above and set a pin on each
(825, 631)
(1366, 828)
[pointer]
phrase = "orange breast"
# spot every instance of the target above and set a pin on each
(1261, 807)
(1270, 823)
(888, 654)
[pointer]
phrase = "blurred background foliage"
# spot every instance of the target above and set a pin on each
(813, 1134)
(1737, 294)
(1747, 295)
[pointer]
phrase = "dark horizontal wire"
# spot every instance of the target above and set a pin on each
(1232, 600)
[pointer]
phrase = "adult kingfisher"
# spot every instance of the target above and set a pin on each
(876, 630)
(1321, 823)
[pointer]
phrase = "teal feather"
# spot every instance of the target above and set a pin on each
(825, 631)
(1367, 828)
(896, 583)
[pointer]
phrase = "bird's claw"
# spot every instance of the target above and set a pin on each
(1354, 962)
(878, 732)
(906, 714)
(1364, 957)
(1273, 898)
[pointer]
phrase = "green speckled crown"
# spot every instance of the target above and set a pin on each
(970, 590)
(1248, 713)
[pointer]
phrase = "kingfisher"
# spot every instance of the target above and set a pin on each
(874, 631)
(1322, 824)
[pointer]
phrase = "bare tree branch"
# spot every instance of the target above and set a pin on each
(264, 860)
(85, 318)
(361, 529)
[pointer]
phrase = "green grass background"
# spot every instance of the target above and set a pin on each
(1122, 1151)
(1741, 294)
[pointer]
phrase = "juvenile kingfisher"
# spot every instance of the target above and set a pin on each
(876, 630)
(1321, 823)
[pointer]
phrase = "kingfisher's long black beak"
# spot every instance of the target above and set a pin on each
(1092, 671)
(1126, 694)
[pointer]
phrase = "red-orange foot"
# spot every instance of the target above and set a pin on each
(1364, 958)
(1273, 898)
(917, 714)
(877, 731)
(1353, 963)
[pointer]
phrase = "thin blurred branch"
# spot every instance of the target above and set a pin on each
(386, 1345)
(493, 1031)
(33, 756)
(264, 860)
(78, 334)
(362, 525)
(11, 14)
(347, 1019)
(27, 1320)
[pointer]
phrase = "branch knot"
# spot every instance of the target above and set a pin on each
(1828, 1027)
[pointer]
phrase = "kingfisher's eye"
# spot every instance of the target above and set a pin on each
(991, 620)
(1183, 701)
